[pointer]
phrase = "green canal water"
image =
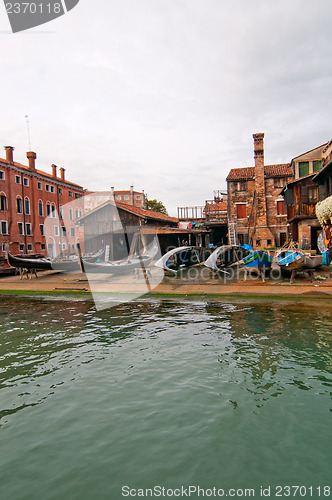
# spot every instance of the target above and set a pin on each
(158, 393)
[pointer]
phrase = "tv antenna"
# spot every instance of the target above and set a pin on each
(27, 119)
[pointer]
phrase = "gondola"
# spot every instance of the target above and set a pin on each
(38, 263)
(182, 257)
(258, 259)
(225, 256)
(123, 266)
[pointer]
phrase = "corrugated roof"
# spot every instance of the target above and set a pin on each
(248, 173)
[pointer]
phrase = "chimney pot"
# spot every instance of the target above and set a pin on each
(62, 173)
(9, 154)
(54, 167)
(259, 149)
(31, 155)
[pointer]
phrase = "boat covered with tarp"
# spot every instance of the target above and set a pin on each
(183, 257)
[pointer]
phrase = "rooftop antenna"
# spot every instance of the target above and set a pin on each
(27, 119)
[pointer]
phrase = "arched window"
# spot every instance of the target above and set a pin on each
(48, 209)
(19, 205)
(70, 213)
(77, 214)
(27, 205)
(3, 202)
(53, 210)
(40, 208)
(61, 212)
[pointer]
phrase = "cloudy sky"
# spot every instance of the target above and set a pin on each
(166, 94)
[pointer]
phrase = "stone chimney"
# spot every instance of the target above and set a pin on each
(54, 167)
(112, 193)
(62, 173)
(9, 154)
(132, 195)
(32, 160)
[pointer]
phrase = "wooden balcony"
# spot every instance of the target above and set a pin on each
(302, 211)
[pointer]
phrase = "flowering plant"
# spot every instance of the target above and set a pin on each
(324, 211)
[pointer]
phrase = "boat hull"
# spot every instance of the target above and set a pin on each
(291, 259)
(181, 258)
(225, 256)
(258, 259)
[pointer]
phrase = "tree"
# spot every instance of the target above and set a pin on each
(156, 206)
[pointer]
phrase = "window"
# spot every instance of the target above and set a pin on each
(27, 206)
(241, 186)
(138, 197)
(28, 229)
(63, 231)
(63, 246)
(39, 185)
(269, 243)
(47, 187)
(240, 238)
(303, 168)
(43, 246)
(25, 181)
(3, 202)
(316, 165)
(56, 230)
(278, 182)
(59, 190)
(52, 189)
(2, 175)
(70, 194)
(41, 227)
(21, 247)
(282, 238)
(80, 213)
(61, 212)
(126, 197)
(40, 208)
(20, 228)
(29, 247)
(53, 211)
(76, 213)
(70, 213)
(281, 208)
(17, 179)
(312, 194)
(4, 228)
(241, 211)
(118, 197)
(19, 206)
(48, 209)
(72, 231)
(77, 195)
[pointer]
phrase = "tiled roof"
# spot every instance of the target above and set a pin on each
(247, 173)
(216, 207)
(40, 172)
(150, 214)
(281, 170)
(238, 174)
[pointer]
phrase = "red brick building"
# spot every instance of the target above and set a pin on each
(93, 199)
(256, 208)
(37, 209)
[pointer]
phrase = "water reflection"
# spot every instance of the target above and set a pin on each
(264, 348)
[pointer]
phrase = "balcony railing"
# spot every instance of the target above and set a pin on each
(300, 210)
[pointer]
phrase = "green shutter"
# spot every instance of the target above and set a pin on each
(317, 165)
(303, 168)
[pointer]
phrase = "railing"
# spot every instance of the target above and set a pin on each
(302, 210)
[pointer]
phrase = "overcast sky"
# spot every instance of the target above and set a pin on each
(166, 94)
